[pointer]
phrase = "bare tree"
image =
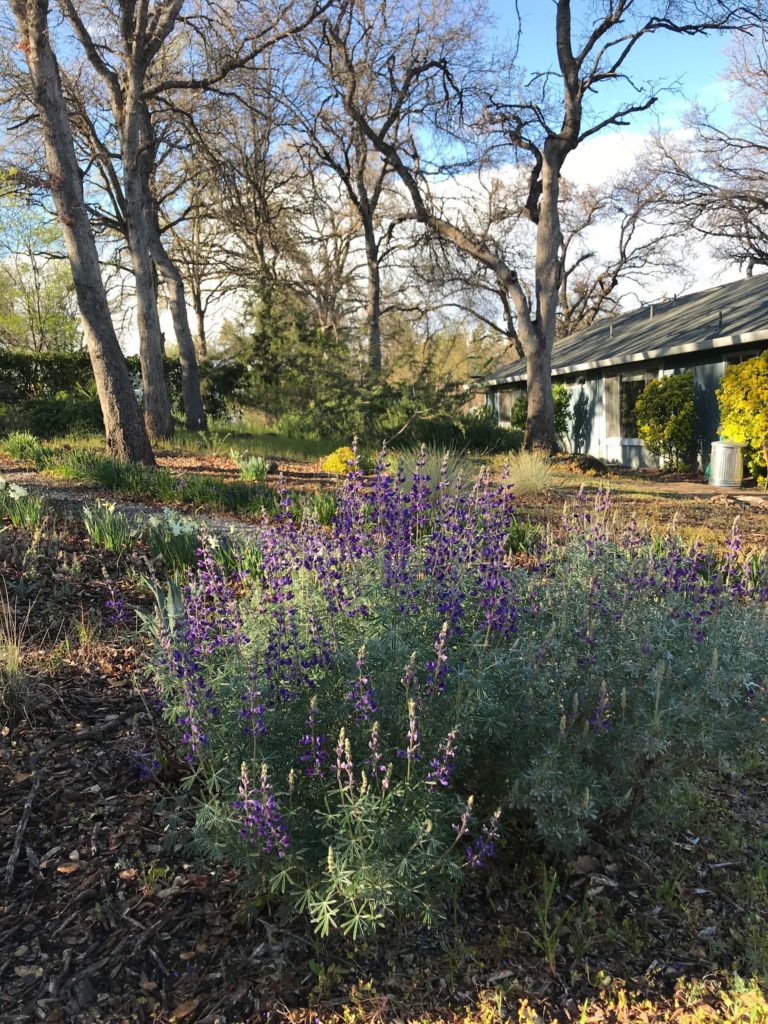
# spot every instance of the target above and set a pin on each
(126, 436)
(646, 247)
(198, 250)
(714, 182)
(124, 67)
(279, 218)
(337, 143)
(538, 123)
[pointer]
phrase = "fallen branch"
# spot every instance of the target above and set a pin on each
(20, 830)
(64, 740)
(94, 733)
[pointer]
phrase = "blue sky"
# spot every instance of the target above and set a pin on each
(697, 62)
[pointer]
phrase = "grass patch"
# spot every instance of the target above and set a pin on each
(223, 437)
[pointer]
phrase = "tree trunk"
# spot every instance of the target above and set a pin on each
(139, 220)
(540, 429)
(162, 263)
(190, 372)
(157, 403)
(538, 342)
(201, 338)
(125, 433)
(373, 306)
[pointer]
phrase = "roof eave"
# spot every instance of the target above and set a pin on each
(709, 344)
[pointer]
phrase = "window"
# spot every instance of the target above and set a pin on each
(630, 389)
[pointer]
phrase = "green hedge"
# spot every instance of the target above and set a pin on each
(54, 393)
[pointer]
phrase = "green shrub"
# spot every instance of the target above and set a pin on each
(518, 416)
(356, 714)
(338, 462)
(482, 432)
(26, 375)
(55, 417)
(743, 399)
(666, 419)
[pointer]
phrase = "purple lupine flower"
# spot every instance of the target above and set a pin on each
(145, 765)
(442, 766)
(262, 823)
(600, 720)
(466, 816)
(420, 493)
(344, 765)
(315, 754)
(734, 570)
(481, 849)
(437, 670)
(115, 603)
(184, 662)
(253, 711)
(362, 695)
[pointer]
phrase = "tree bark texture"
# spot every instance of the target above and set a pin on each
(373, 304)
(125, 433)
(190, 371)
(140, 223)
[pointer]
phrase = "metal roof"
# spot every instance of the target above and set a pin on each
(722, 317)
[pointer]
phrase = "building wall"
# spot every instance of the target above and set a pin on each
(596, 412)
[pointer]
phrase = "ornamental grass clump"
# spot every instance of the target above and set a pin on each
(380, 706)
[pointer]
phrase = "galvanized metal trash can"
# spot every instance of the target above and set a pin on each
(726, 464)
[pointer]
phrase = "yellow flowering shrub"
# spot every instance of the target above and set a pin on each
(743, 399)
(338, 461)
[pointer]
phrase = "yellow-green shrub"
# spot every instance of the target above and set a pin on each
(338, 461)
(743, 399)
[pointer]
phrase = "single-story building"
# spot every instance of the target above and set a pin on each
(607, 365)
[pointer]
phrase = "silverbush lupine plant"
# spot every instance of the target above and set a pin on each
(370, 711)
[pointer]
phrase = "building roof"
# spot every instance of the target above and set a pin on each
(722, 317)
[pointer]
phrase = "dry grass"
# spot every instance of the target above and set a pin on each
(531, 473)
(14, 687)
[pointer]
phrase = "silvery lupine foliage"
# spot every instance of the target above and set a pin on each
(408, 693)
